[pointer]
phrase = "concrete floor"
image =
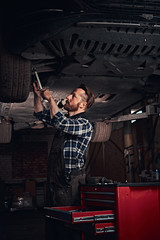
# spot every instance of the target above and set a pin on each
(25, 225)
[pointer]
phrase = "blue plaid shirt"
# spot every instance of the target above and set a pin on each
(78, 135)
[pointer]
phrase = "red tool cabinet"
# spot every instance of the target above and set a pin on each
(114, 211)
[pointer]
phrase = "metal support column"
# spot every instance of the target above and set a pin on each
(129, 150)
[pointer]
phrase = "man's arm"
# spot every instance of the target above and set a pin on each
(46, 94)
(52, 105)
(75, 126)
(38, 106)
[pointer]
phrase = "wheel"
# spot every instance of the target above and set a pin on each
(102, 132)
(15, 78)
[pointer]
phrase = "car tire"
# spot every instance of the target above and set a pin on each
(101, 132)
(15, 78)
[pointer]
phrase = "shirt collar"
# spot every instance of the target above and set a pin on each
(77, 115)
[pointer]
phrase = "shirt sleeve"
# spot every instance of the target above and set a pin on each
(44, 116)
(78, 126)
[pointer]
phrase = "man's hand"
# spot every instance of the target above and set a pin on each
(36, 90)
(46, 94)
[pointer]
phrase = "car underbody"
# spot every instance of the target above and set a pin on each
(111, 46)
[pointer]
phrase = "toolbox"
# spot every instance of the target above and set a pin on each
(121, 211)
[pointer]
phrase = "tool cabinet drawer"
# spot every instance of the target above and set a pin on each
(77, 214)
(102, 228)
(98, 196)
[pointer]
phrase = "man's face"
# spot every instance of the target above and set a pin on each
(74, 100)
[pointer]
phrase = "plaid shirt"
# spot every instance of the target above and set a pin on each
(78, 135)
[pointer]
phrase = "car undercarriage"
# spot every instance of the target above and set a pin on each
(111, 46)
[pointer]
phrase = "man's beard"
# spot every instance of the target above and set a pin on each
(71, 108)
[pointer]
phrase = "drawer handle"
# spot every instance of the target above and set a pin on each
(95, 218)
(84, 219)
(105, 230)
(104, 217)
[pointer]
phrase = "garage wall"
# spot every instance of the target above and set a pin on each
(6, 167)
(146, 136)
(23, 165)
(25, 158)
(106, 159)
(29, 160)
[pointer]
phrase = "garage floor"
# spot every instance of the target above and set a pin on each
(25, 225)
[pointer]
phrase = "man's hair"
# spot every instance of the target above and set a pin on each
(89, 95)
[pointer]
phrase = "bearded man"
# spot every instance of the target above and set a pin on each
(66, 163)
